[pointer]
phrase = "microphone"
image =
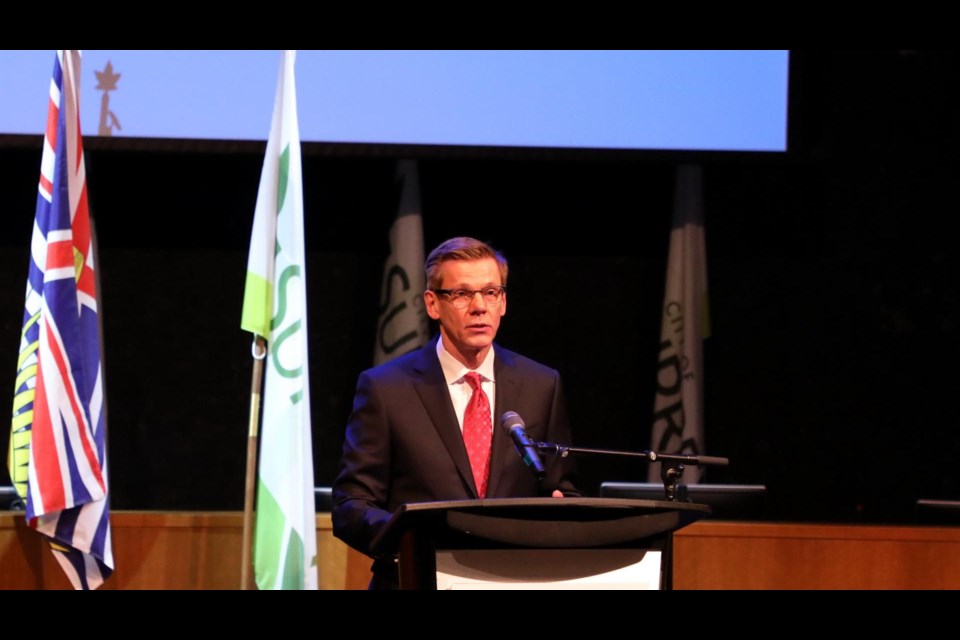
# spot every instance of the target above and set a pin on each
(527, 448)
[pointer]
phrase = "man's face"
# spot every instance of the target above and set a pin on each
(467, 333)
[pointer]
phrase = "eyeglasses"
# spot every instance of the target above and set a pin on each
(461, 298)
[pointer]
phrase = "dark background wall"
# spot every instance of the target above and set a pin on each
(829, 376)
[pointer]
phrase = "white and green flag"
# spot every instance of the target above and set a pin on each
(402, 325)
(274, 307)
(678, 405)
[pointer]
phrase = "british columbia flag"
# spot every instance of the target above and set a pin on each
(58, 442)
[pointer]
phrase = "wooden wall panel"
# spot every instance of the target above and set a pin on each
(161, 550)
(734, 555)
(196, 550)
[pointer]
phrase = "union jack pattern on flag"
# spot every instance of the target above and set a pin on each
(58, 445)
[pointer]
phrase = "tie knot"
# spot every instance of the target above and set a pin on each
(473, 379)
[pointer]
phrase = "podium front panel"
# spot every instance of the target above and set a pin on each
(545, 569)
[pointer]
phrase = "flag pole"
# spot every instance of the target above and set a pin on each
(249, 494)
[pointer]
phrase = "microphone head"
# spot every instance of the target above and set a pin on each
(511, 419)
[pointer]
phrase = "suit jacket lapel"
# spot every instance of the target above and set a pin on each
(432, 389)
(508, 392)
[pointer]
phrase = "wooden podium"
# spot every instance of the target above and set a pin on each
(538, 543)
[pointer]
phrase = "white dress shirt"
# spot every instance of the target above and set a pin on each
(460, 390)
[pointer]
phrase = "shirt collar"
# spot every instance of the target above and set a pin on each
(453, 369)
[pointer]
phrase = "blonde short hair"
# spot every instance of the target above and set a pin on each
(461, 248)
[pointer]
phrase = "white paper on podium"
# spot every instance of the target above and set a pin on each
(548, 569)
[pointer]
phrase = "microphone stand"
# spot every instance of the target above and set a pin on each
(671, 465)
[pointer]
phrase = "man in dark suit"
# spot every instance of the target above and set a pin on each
(405, 441)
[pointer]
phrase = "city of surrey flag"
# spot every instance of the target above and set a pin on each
(275, 308)
(678, 404)
(57, 455)
(402, 324)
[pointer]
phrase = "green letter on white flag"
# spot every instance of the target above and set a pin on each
(275, 307)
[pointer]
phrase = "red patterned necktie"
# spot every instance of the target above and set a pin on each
(477, 431)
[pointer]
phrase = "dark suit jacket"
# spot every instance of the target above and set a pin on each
(404, 444)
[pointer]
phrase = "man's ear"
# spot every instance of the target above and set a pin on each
(432, 303)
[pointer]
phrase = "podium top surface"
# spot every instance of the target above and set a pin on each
(531, 505)
(540, 522)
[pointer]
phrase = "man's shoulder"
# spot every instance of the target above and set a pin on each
(419, 361)
(403, 366)
(521, 363)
